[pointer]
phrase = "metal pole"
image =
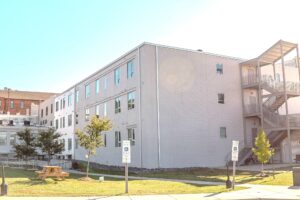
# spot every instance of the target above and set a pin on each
(286, 105)
(126, 177)
(297, 60)
(260, 96)
(233, 174)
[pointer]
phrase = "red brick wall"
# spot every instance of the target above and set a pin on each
(5, 107)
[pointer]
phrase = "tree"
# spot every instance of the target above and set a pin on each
(262, 149)
(26, 146)
(49, 143)
(91, 138)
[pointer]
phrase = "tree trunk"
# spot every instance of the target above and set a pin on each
(262, 169)
(88, 165)
(49, 159)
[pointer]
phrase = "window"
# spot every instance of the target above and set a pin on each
(87, 114)
(0, 103)
(51, 123)
(219, 68)
(69, 99)
(64, 102)
(223, 132)
(70, 120)
(131, 136)
(131, 97)
(69, 144)
(117, 105)
(21, 104)
(2, 138)
(104, 83)
(56, 123)
(98, 110)
(42, 113)
(221, 98)
(56, 106)
(87, 91)
(60, 122)
(130, 69)
(51, 108)
(104, 110)
(117, 139)
(47, 111)
(12, 139)
(77, 95)
(97, 86)
(64, 122)
(61, 104)
(12, 104)
(104, 140)
(117, 76)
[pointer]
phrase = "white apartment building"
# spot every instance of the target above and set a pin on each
(46, 112)
(64, 121)
(180, 108)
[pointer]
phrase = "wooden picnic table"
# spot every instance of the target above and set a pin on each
(52, 171)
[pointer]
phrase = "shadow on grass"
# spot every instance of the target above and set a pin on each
(37, 181)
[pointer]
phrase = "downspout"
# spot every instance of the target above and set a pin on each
(140, 109)
(157, 102)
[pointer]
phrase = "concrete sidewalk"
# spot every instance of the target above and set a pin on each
(147, 178)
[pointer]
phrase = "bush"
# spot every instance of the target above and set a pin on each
(75, 165)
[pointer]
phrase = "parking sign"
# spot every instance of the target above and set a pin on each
(126, 158)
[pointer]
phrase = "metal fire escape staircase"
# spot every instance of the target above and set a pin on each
(275, 123)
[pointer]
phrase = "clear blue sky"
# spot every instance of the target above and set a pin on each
(51, 45)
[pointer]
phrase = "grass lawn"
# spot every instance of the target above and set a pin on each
(24, 183)
(217, 175)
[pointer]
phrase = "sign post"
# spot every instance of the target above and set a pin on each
(234, 159)
(126, 160)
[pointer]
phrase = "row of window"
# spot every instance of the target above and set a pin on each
(46, 111)
(117, 80)
(59, 105)
(12, 104)
(130, 106)
(61, 122)
(118, 138)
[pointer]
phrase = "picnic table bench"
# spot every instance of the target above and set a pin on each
(52, 171)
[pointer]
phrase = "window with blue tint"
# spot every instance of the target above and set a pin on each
(130, 69)
(69, 99)
(131, 97)
(117, 105)
(77, 95)
(117, 73)
(97, 86)
(87, 91)
(219, 68)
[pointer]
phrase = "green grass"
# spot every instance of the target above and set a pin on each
(216, 175)
(25, 183)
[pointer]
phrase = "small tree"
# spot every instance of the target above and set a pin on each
(49, 144)
(262, 149)
(26, 146)
(91, 138)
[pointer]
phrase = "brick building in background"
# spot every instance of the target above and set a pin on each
(21, 102)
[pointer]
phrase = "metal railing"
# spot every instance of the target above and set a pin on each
(271, 84)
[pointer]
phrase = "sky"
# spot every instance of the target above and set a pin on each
(50, 45)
